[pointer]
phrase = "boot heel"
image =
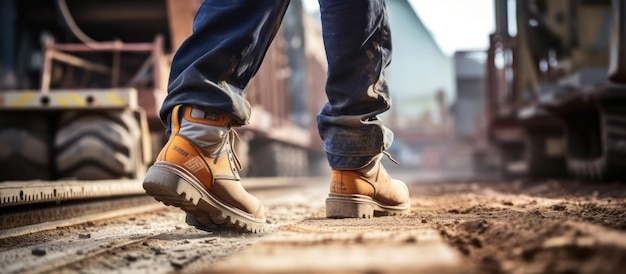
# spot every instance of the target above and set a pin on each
(346, 209)
(171, 189)
(157, 177)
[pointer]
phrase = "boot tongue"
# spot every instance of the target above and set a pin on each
(372, 167)
(212, 132)
(196, 125)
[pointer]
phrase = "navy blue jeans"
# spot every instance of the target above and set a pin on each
(7, 29)
(214, 65)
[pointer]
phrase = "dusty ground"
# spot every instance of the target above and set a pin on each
(530, 227)
(456, 227)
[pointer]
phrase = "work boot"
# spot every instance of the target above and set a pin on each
(366, 192)
(204, 180)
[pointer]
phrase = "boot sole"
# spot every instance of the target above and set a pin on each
(361, 206)
(173, 187)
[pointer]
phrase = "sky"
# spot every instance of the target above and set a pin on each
(454, 24)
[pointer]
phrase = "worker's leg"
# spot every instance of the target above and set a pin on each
(358, 48)
(214, 65)
(197, 170)
(8, 78)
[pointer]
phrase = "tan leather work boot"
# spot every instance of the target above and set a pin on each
(204, 182)
(366, 192)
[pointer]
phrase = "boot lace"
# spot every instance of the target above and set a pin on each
(230, 139)
(391, 158)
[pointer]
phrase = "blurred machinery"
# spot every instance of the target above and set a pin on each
(79, 117)
(556, 92)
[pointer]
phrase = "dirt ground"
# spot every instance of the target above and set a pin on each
(529, 227)
(549, 226)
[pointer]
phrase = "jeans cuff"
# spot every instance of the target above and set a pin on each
(348, 162)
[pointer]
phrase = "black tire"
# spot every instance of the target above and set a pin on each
(597, 142)
(97, 145)
(585, 150)
(24, 148)
(545, 156)
(511, 153)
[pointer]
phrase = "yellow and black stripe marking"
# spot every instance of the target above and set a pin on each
(62, 99)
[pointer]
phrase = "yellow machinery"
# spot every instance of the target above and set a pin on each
(557, 88)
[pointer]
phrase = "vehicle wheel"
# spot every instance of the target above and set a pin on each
(596, 139)
(512, 155)
(545, 154)
(585, 152)
(24, 149)
(92, 145)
